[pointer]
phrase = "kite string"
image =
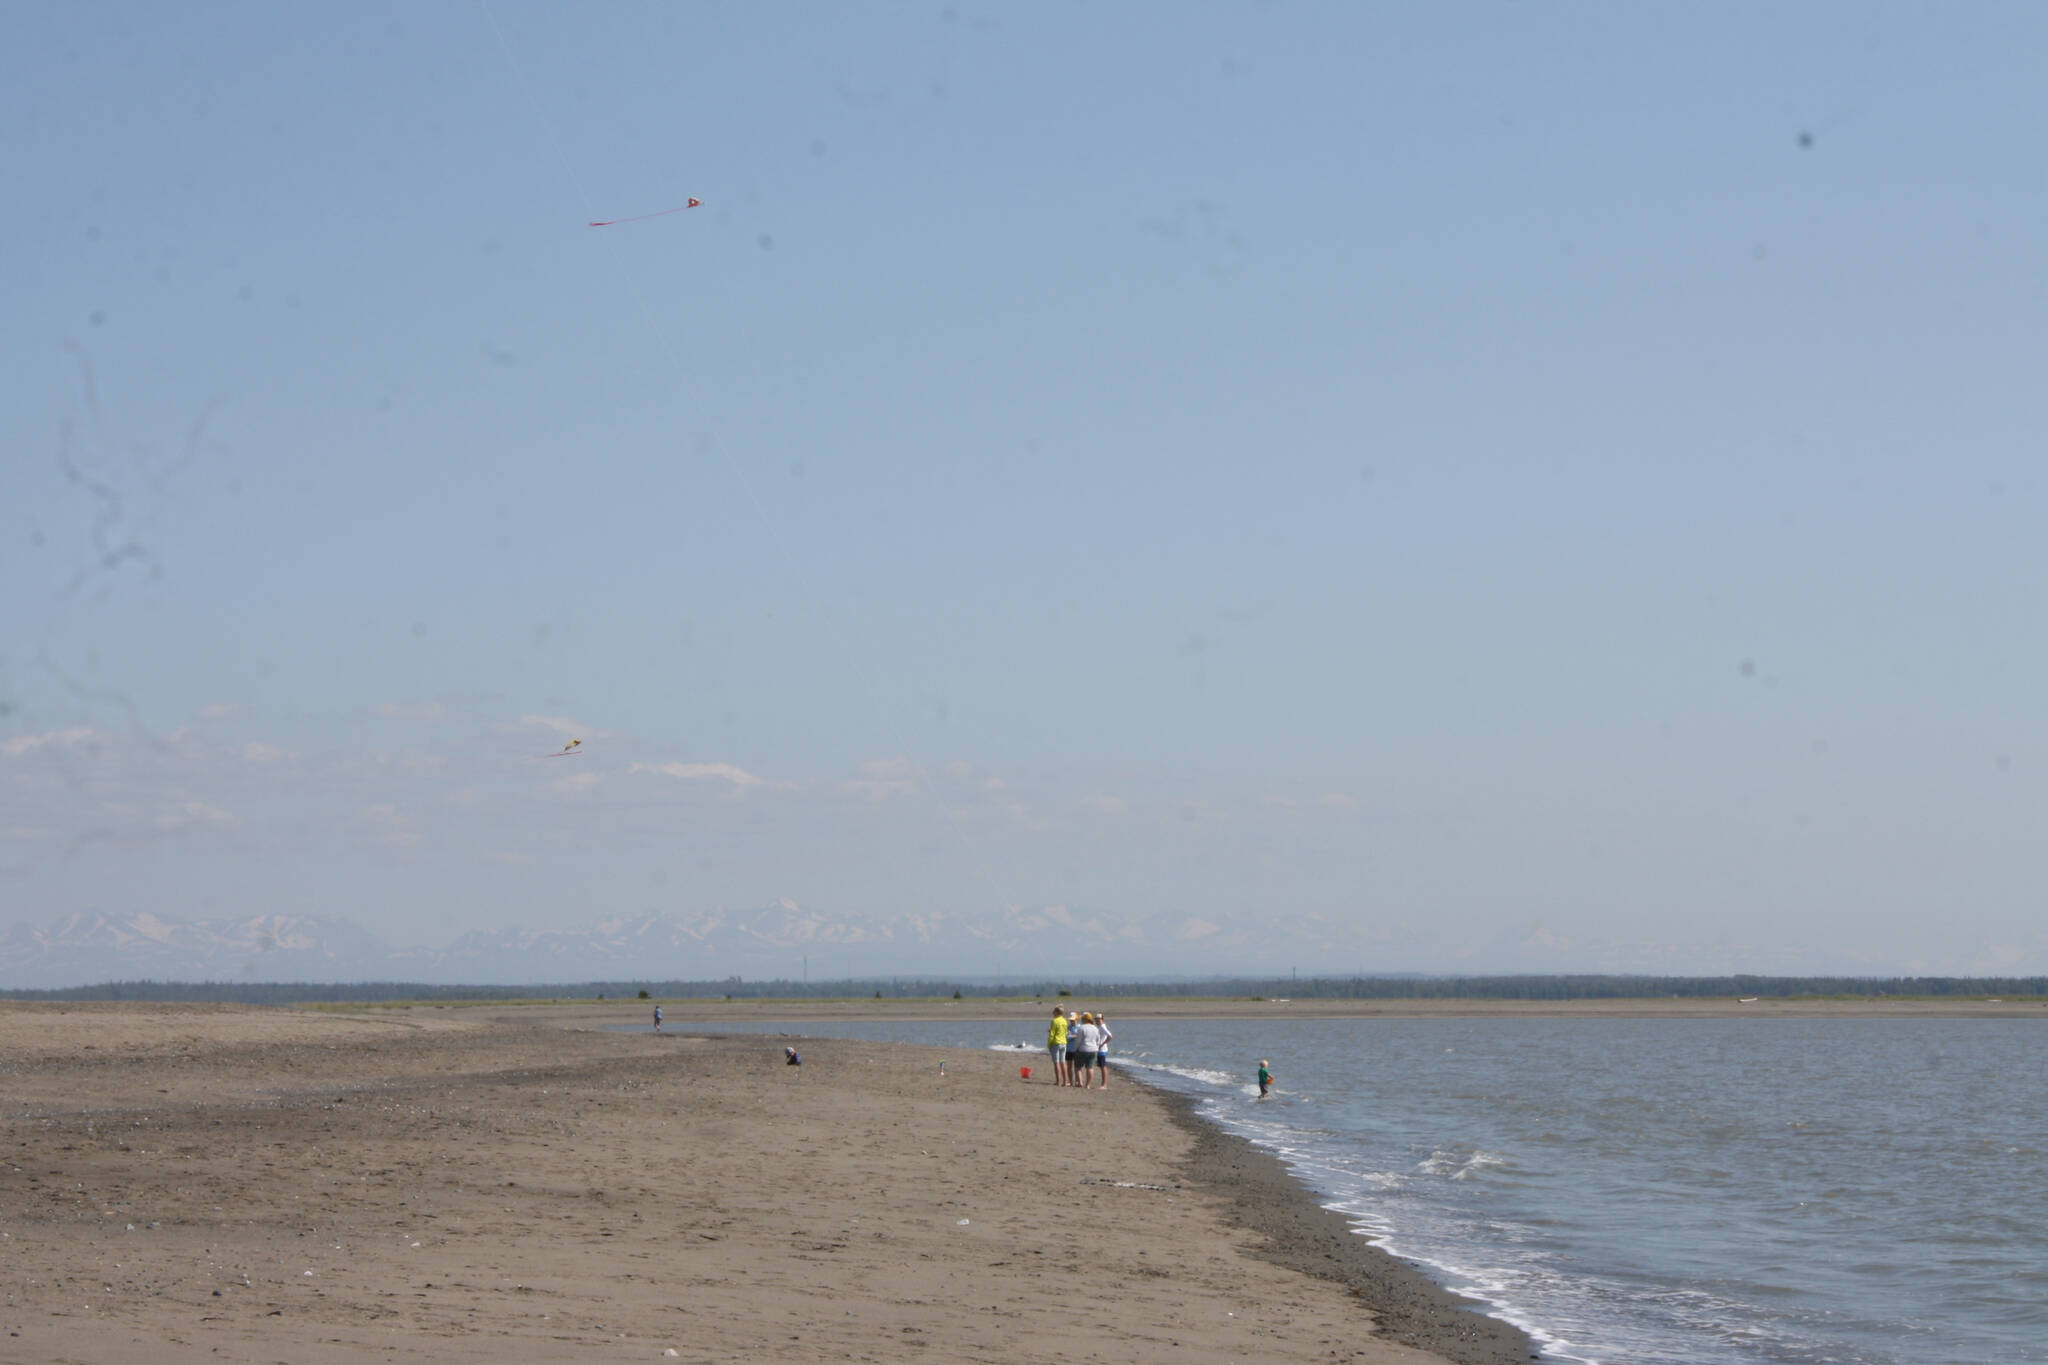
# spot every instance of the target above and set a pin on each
(614, 222)
(688, 383)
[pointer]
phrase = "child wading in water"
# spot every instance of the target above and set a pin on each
(1265, 1077)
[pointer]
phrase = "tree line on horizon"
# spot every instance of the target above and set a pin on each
(1406, 987)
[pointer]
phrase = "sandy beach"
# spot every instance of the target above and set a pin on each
(516, 1183)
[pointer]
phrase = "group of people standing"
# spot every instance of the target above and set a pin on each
(1079, 1048)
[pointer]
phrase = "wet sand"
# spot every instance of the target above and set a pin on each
(514, 1183)
(1257, 1193)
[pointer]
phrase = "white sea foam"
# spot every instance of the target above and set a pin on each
(1525, 1296)
(1204, 1075)
(1461, 1165)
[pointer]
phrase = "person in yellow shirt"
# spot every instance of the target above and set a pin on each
(1056, 1044)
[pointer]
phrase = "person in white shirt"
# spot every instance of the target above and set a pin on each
(1089, 1039)
(1102, 1050)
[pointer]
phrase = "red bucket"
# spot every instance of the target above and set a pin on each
(1024, 1073)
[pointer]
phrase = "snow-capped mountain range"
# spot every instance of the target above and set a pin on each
(790, 942)
(781, 940)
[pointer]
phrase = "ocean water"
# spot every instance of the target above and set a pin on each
(1864, 1191)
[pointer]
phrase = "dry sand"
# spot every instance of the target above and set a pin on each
(512, 1184)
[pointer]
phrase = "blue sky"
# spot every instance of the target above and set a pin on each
(1567, 472)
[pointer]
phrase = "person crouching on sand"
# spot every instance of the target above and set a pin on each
(1056, 1045)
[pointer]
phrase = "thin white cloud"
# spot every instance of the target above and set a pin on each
(700, 772)
(22, 744)
(390, 827)
(1023, 816)
(256, 752)
(410, 710)
(578, 782)
(882, 778)
(221, 710)
(191, 812)
(1332, 800)
(1102, 803)
(564, 726)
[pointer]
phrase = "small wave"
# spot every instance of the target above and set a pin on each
(1360, 1193)
(1197, 1073)
(1462, 1165)
(1497, 1287)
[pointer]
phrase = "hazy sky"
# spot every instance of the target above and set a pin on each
(1506, 470)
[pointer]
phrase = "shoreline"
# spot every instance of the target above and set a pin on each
(469, 1186)
(1260, 1194)
(1257, 1193)
(705, 1011)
